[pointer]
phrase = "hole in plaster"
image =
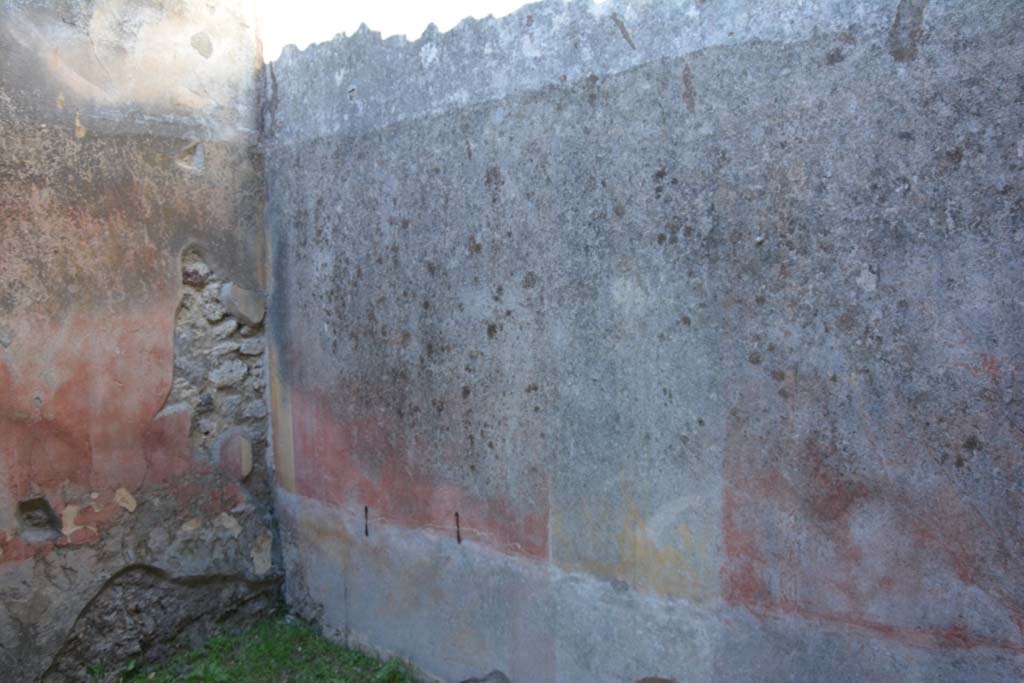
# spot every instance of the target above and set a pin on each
(37, 521)
(218, 359)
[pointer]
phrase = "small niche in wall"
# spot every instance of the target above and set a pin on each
(37, 521)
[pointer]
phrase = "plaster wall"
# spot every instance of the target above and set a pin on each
(130, 191)
(656, 341)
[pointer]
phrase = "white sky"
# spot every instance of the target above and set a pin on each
(313, 21)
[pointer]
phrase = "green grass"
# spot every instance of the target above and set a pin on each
(275, 651)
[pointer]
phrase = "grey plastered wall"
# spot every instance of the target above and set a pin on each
(703, 316)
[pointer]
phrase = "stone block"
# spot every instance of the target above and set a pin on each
(235, 457)
(251, 347)
(245, 304)
(228, 374)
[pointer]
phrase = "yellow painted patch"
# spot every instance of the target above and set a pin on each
(672, 569)
(674, 559)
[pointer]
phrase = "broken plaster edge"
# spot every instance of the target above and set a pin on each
(358, 83)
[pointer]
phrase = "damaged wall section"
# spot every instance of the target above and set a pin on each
(141, 613)
(132, 419)
(218, 368)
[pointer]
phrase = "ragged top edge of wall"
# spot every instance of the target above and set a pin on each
(358, 83)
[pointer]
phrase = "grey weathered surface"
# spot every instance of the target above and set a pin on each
(714, 344)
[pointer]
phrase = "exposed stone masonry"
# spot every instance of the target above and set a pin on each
(218, 360)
